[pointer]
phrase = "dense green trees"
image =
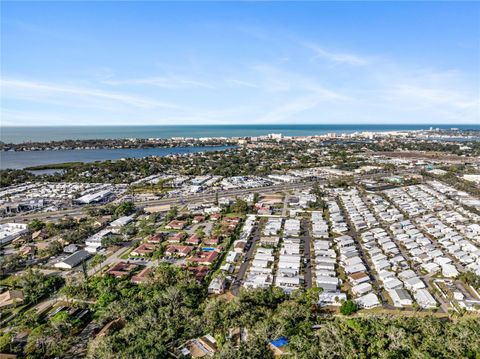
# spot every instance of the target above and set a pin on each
(348, 307)
(172, 307)
(36, 225)
(36, 285)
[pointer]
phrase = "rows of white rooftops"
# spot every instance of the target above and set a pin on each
(388, 264)
(359, 214)
(383, 209)
(325, 259)
(459, 196)
(286, 253)
(455, 230)
(337, 219)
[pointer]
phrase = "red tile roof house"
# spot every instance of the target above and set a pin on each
(215, 216)
(233, 220)
(180, 251)
(122, 269)
(213, 241)
(143, 249)
(229, 224)
(198, 219)
(176, 238)
(204, 257)
(200, 272)
(176, 224)
(239, 246)
(143, 276)
(156, 238)
(193, 239)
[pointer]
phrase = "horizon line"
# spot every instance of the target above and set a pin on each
(255, 124)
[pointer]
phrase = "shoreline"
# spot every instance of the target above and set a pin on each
(17, 136)
(454, 135)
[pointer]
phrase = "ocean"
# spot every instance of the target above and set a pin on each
(46, 134)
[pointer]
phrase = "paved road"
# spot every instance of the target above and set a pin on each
(306, 240)
(114, 258)
(361, 251)
(194, 198)
(235, 288)
(165, 201)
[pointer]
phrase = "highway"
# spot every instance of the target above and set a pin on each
(201, 197)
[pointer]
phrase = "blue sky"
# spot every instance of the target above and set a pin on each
(133, 63)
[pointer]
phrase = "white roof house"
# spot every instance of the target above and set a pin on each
(425, 299)
(232, 257)
(362, 288)
(449, 271)
(355, 268)
(414, 284)
(400, 298)
(331, 298)
(368, 301)
(327, 283)
(392, 283)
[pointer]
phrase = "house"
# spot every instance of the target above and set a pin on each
(156, 238)
(143, 276)
(414, 284)
(11, 298)
(400, 298)
(355, 268)
(232, 257)
(122, 269)
(213, 240)
(73, 260)
(217, 285)
(239, 246)
(392, 283)
(359, 277)
(200, 272)
(71, 248)
(368, 301)
(278, 346)
(121, 222)
(176, 250)
(327, 283)
(144, 249)
(194, 239)
(424, 299)
(215, 216)
(176, 237)
(39, 235)
(331, 298)
(200, 347)
(362, 289)
(204, 257)
(176, 224)
(269, 241)
(27, 250)
(198, 219)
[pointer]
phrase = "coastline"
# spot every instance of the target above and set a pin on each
(16, 135)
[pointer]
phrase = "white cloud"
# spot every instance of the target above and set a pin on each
(28, 90)
(170, 82)
(335, 57)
